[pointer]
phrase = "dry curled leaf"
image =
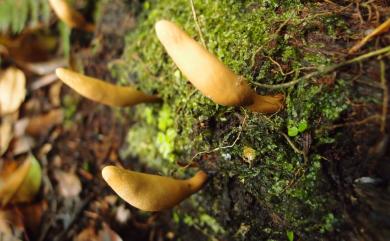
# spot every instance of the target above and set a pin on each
(107, 234)
(22, 145)
(11, 226)
(40, 124)
(30, 46)
(87, 234)
(12, 90)
(20, 184)
(69, 184)
(6, 135)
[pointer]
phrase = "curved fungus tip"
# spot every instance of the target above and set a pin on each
(70, 16)
(103, 92)
(267, 104)
(208, 74)
(151, 192)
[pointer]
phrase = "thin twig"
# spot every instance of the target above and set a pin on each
(221, 147)
(377, 31)
(295, 148)
(385, 95)
(280, 67)
(197, 23)
(326, 69)
(355, 123)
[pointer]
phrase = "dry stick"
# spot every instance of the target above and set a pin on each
(197, 23)
(355, 123)
(385, 95)
(280, 67)
(326, 69)
(221, 147)
(379, 30)
(295, 148)
(330, 2)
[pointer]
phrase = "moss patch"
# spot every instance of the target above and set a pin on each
(278, 194)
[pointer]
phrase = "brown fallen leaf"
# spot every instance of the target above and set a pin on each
(69, 185)
(32, 216)
(11, 181)
(38, 125)
(31, 183)
(11, 226)
(30, 46)
(22, 145)
(12, 90)
(107, 234)
(20, 184)
(44, 68)
(43, 81)
(6, 135)
(88, 234)
(41, 124)
(377, 31)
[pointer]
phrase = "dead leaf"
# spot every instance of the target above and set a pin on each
(11, 226)
(44, 68)
(20, 127)
(87, 234)
(22, 145)
(20, 184)
(12, 90)
(107, 234)
(69, 184)
(31, 183)
(32, 216)
(30, 46)
(40, 124)
(6, 135)
(11, 181)
(43, 81)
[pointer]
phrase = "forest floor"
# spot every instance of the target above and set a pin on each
(317, 170)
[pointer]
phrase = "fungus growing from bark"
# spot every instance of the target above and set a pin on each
(103, 92)
(70, 16)
(209, 75)
(151, 192)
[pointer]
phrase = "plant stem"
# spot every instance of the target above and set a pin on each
(326, 69)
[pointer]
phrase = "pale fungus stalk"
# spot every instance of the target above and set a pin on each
(103, 92)
(151, 192)
(70, 16)
(209, 75)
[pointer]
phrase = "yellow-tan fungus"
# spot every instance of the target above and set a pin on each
(103, 92)
(209, 75)
(151, 192)
(70, 16)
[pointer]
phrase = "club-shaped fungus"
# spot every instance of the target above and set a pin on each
(151, 192)
(209, 75)
(103, 92)
(70, 16)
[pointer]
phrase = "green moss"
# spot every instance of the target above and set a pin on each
(243, 197)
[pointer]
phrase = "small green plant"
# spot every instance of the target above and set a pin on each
(15, 15)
